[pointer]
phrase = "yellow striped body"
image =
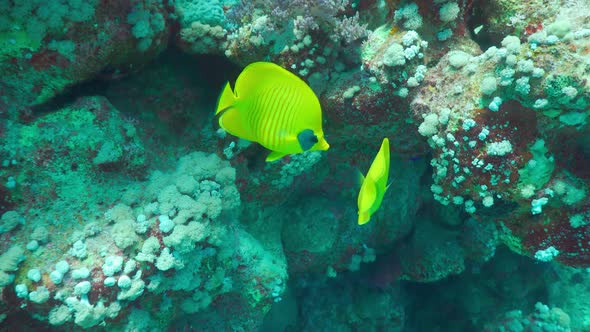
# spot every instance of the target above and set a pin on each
(374, 185)
(271, 106)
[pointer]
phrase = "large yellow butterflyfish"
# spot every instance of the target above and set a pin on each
(374, 184)
(273, 107)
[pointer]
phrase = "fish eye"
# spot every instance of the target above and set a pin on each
(314, 139)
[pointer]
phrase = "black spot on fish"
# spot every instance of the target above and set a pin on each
(307, 139)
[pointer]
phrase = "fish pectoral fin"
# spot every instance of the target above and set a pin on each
(388, 185)
(275, 155)
(231, 120)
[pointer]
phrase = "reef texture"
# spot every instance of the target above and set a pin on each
(123, 206)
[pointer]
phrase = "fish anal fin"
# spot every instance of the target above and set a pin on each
(275, 155)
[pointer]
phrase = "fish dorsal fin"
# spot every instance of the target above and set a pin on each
(307, 139)
(367, 195)
(259, 75)
(387, 161)
(275, 155)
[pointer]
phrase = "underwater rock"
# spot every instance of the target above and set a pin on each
(75, 145)
(360, 108)
(430, 254)
(339, 243)
(545, 318)
(55, 45)
(345, 305)
(569, 292)
(479, 239)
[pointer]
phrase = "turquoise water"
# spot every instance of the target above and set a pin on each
(126, 205)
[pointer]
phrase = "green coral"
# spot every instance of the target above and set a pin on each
(539, 169)
(555, 87)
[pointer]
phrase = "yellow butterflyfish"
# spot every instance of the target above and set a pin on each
(273, 107)
(374, 185)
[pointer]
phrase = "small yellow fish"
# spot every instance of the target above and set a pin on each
(273, 107)
(374, 185)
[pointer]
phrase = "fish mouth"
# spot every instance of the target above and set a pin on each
(364, 217)
(323, 145)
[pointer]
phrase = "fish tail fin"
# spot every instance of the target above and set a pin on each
(226, 99)
(231, 118)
